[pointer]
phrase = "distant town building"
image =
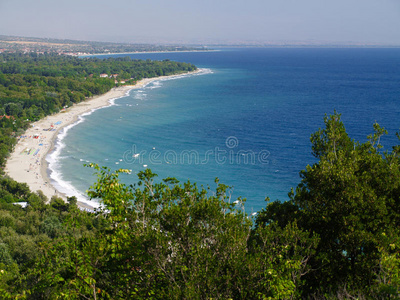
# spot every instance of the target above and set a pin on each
(22, 204)
(7, 117)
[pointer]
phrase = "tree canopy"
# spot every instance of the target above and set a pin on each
(337, 237)
(350, 200)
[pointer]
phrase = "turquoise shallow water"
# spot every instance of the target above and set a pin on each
(246, 120)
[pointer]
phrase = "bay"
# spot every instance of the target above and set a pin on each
(246, 120)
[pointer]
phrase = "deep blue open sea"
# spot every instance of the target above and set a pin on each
(247, 119)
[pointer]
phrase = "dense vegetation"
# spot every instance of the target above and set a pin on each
(337, 238)
(33, 86)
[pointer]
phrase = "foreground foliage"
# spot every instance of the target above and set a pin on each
(170, 241)
(350, 198)
(337, 238)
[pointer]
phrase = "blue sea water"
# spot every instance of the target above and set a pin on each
(246, 120)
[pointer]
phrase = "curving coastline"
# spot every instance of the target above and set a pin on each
(27, 163)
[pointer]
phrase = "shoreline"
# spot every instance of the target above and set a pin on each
(27, 162)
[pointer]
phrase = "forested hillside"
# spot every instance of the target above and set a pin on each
(337, 238)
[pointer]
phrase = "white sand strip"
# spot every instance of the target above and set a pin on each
(27, 163)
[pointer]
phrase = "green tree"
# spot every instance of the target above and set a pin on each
(51, 226)
(349, 198)
(5, 257)
(58, 204)
(73, 202)
(171, 241)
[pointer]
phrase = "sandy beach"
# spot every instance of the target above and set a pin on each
(27, 163)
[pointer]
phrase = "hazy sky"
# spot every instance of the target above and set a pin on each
(205, 21)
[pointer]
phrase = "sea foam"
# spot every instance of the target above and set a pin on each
(54, 158)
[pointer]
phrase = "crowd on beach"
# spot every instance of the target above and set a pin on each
(33, 146)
